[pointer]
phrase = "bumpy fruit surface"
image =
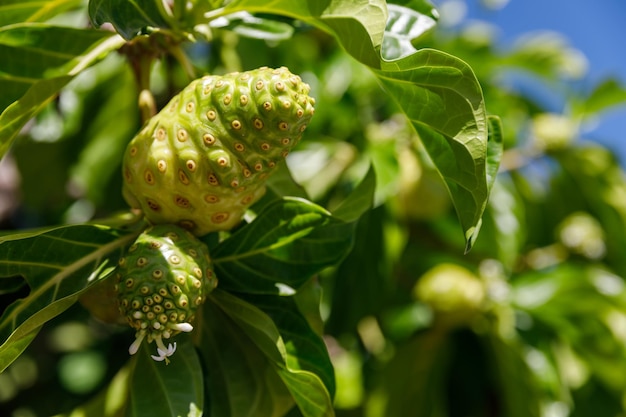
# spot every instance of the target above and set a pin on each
(161, 281)
(203, 160)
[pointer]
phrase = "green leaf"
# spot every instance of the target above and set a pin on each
(404, 26)
(305, 349)
(58, 265)
(168, 390)
(286, 243)
(129, 18)
(245, 24)
(607, 94)
(359, 201)
(38, 61)
(358, 25)
(444, 102)
(298, 355)
(17, 11)
(240, 378)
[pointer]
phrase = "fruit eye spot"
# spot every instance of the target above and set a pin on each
(294, 80)
(135, 304)
(163, 292)
(127, 175)
(162, 317)
(227, 99)
(243, 100)
(209, 139)
(280, 86)
(172, 236)
(283, 125)
(211, 115)
(222, 161)
(219, 83)
(169, 305)
(199, 299)
(258, 123)
(160, 134)
(284, 154)
(191, 165)
(259, 85)
(219, 217)
(211, 199)
(181, 201)
(121, 262)
(300, 113)
(190, 107)
(162, 165)
(198, 272)
(133, 151)
(213, 179)
(286, 104)
(285, 141)
(246, 200)
(240, 147)
(265, 146)
(271, 164)
(258, 166)
(174, 259)
(142, 261)
(247, 173)
(302, 128)
(234, 183)
(153, 205)
(145, 289)
(183, 177)
(182, 135)
(157, 299)
(129, 283)
(149, 177)
(236, 124)
(192, 252)
(187, 224)
(157, 274)
(267, 106)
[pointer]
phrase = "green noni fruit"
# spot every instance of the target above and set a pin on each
(204, 159)
(163, 278)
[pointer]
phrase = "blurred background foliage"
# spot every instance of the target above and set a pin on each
(532, 322)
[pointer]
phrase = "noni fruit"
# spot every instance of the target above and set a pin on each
(163, 278)
(204, 159)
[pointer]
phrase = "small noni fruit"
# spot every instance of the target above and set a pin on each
(163, 278)
(204, 159)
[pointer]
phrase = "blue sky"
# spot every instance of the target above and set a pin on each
(596, 28)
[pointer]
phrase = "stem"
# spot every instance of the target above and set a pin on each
(177, 52)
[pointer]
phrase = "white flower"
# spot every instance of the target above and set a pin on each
(164, 352)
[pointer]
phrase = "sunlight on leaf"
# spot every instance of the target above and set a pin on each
(404, 26)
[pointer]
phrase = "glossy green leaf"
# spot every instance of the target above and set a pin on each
(286, 243)
(240, 378)
(277, 328)
(443, 100)
(58, 265)
(403, 26)
(130, 18)
(358, 25)
(168, 390)
(18, 11)
(39, 60)
(248, 25)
